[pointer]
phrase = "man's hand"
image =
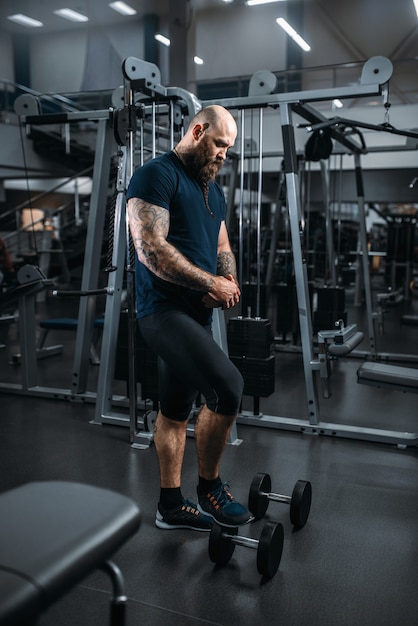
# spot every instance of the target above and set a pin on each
(225, 293)
(210, 302)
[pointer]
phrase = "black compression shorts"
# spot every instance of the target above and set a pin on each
(190, 362)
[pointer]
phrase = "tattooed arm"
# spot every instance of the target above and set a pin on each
(226, 267)
(226, 259)
(149, 226)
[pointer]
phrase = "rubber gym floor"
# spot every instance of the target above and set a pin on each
(355, 563)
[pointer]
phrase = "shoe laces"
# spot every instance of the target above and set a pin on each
(222, 495)
(189, 507)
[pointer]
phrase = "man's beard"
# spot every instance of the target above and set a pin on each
(200, 166)
(203, 169)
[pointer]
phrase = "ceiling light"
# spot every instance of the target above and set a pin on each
(254, 3)
(71, 15)
(198, 60)
(337, 103)
(416, 6)
(162, 39)
(24, 20)
(122, 8)
(293, 34)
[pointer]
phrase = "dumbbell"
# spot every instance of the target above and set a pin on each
(300, 500)
(222, 542)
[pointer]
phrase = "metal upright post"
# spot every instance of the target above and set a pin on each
(259, 203)
(91, 266)
(328, 224)
(219, 335)
(130, 283)
(365, 254)
(299, 260)
(241, 199)
(113, 302)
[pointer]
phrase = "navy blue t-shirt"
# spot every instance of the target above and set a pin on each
(164, 181)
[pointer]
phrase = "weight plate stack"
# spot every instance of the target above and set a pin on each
(249, 337)
(250, 349)
(330, 308)
(258, 375)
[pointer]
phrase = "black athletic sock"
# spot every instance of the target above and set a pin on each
(205, 486)
(170, 497)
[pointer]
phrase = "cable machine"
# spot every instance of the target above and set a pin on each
(146, 102)
(376, 73)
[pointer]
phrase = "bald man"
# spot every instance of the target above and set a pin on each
(184, 268)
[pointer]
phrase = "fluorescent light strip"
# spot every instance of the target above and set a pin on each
(416, 6)
(293, 34)
(19, 18)
(162, 39)
(71, 15)
(122, 8)
(198, 60)
(337, 103)
(254, 3)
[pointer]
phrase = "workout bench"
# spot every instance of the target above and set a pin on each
(409, 320)
(60, 323)
(65, 323)
(53, 534)
(390, 376)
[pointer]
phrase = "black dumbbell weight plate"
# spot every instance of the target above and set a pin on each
(149, 421)
(270, 549)
(258, 503)
(221, 548)
(300, 504)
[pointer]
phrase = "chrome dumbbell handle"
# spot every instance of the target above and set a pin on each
(247, 542)
(277, 497)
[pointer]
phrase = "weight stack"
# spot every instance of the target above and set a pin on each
(250, 337)
(401, 240)
(330, 308)
(249, 346)
(258, 375)
(287, 320)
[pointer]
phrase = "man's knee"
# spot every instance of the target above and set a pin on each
(228, 394)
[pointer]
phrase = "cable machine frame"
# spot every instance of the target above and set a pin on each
(299, 103)
(144, 78)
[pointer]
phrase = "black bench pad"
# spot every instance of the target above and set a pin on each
(409, 320)
(404, 378)
(66, 323)
(53, 534)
